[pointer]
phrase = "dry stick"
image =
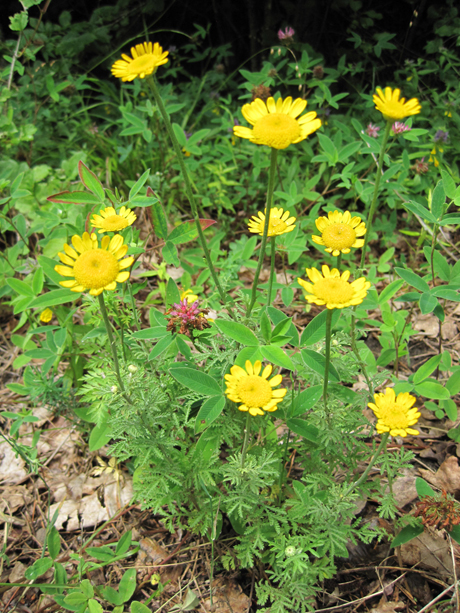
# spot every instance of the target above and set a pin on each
(438, 597)
(454, 568)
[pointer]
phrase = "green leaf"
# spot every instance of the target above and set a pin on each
(197, 381)
(413, 279)
(160, 224)
(127, 584)
(427, 303)
(390, 290)
(426, 369)
(432, 389)
(455, 534)
(251, 353)
(54, 542)
(170, 255)
(19, 21)
(20, 287)
(306, 400)
(103, 553)
(209, 412)
(86, 588)
(56, 296)
(448, 184)
(138, 607)
(94, 606)
(67, 197)
(453, 383)
(38, 568)
(277, 356)
(75, 598)
(37, 281)
(265, 327)
(407, 534)
(238, 332)
(172, 293)
(317, 362)
(124, 543)
(139, 184)
(437, 200)
(149, 333)
(450, 408)
(419, 210)
(90, 181)
(111, 595)
(300, 427)
(316, 329)
(100, 436)
(423, 489)
(161, 346)
(179, 134)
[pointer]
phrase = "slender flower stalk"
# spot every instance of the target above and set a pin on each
(363, 477)
(327, 356)
(271, 187)
(272, 270)
(113, 349)
(370, 218)
(246, 439)
(188, 187)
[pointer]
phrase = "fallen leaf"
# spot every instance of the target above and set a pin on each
(447, 477)
(388, 607)
(227, 597)
(427, 325)
(12, 466)
(429, 550)
(403, 488)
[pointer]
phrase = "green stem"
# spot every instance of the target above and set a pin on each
(376, 190)
(188, 187)
(271, 187)
(339, 261)
(280, 480)
(113, 349)
(328, 356)
(272, 271)
(383, 442)
(246, 439)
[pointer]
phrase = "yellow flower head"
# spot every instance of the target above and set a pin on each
(189, 295)
(145, 59)
(339, 232)
(254, 390)
(395, 414)
(333, 288)
(111, 221)
(93, 267)
(280, 223)
(46, 315)
(392, 107)
(275, 123)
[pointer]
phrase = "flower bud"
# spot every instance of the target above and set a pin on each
(132, 368)
(114, 389)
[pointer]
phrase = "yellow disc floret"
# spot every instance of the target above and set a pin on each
(145, 59)
(280, 222)
(340, 232)
(276, 124)
(92, 267)
(395, 414)
(392, 106)
(254, 390)
(333, 289)
(110, 221)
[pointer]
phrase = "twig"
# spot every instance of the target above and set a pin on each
(438, 597)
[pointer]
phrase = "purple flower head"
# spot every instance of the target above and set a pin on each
(420, 166)
(235, 123)
(399, 127)
(172, 48)
(372, 130)
(188, 135)
(441, 135)
(185, 317)
(287, 34)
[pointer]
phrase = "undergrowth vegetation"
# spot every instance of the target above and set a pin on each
(194, 260)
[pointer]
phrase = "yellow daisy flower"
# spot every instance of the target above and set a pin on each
(333, 288)
(46, 315)
(339, 232)
(111, 221)
(93, 267)
(145, 59)
(275, 123)
(280, 223)
(254, 390)
(392, 107)
(395, 414)
(189, 295)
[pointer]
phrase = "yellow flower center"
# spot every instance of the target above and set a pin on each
(339, 236)
(96, 268)
(333, 290)
(254, 391)
(394, 416)
(276, 226)
(276, 130)
(113, 223)
(144, 64)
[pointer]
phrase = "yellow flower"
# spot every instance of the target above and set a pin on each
(276, 124)
(280, 223)
(339, 232)
(333, 288)
(93, 267)
(253, 389)
(395, 415)
(46, 315)
(111, 221)
(189, 295)
(392, 107)
(146, 59)
(433, 157)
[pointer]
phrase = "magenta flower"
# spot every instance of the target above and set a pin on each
(287, 34)
(186, 316)
(372, 130)
(399, 127)
(441, 135)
